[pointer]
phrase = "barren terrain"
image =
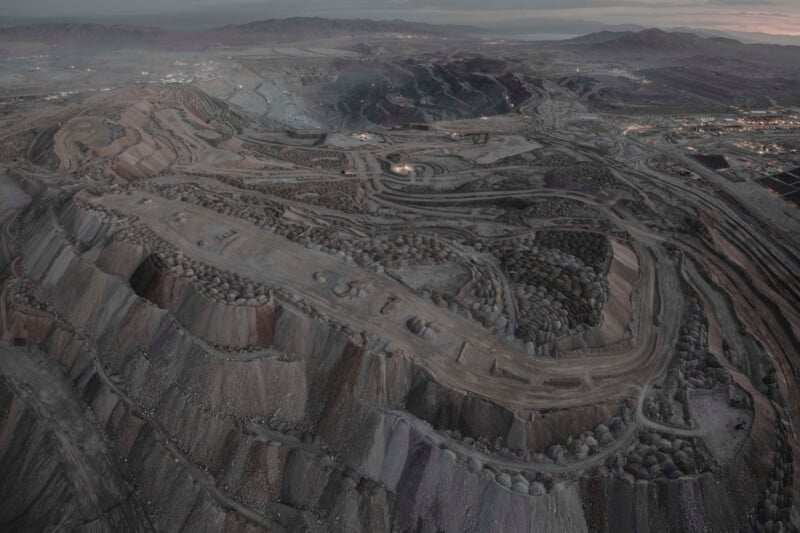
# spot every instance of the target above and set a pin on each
(396, 278)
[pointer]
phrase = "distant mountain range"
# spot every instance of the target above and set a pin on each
(116, 35)
(56, 33)
(702, 51)
(527, 28)
(323, 26)
(544, 26)
(745, 37)
(652, 42)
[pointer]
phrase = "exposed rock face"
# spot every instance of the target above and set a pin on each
(305, 424)
(515, 323)
(57, 470)
(474, 417)
(254, 326)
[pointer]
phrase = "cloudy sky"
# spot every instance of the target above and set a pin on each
(769, 16)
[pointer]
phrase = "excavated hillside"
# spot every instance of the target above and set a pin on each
(267, 412)
(512, 315)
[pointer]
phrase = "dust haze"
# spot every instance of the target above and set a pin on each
(533, 271)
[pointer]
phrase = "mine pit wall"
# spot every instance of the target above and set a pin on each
(18, 323)
(380, 380)
(556, 426)
(704, 503)
(174, 361)
(390, 476)
(218, 443)
(36, 485)
(446, 408)
(6, 248)
(180, 498)
(155, 383)
(430, 490)
(216, 322)
(724, 500)
(112, 314)
(435, 486)
(152, 282)
(29, 462)
(476, 417)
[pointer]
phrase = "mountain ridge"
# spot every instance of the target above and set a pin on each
(295, 27)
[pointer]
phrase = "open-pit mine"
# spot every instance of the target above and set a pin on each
(394, 277)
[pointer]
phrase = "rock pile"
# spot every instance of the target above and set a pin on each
(774, 511)
(575, 448)
(658, 456)
(208, 109)
(352, 289)
(585, 175)
(346, 197)
(387, 252)
(322, 159)
(545, 210)
(423, 328)
(557, 293)
(692, 366)
(593, 249)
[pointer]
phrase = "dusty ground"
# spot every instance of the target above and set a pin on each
(315, 302)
